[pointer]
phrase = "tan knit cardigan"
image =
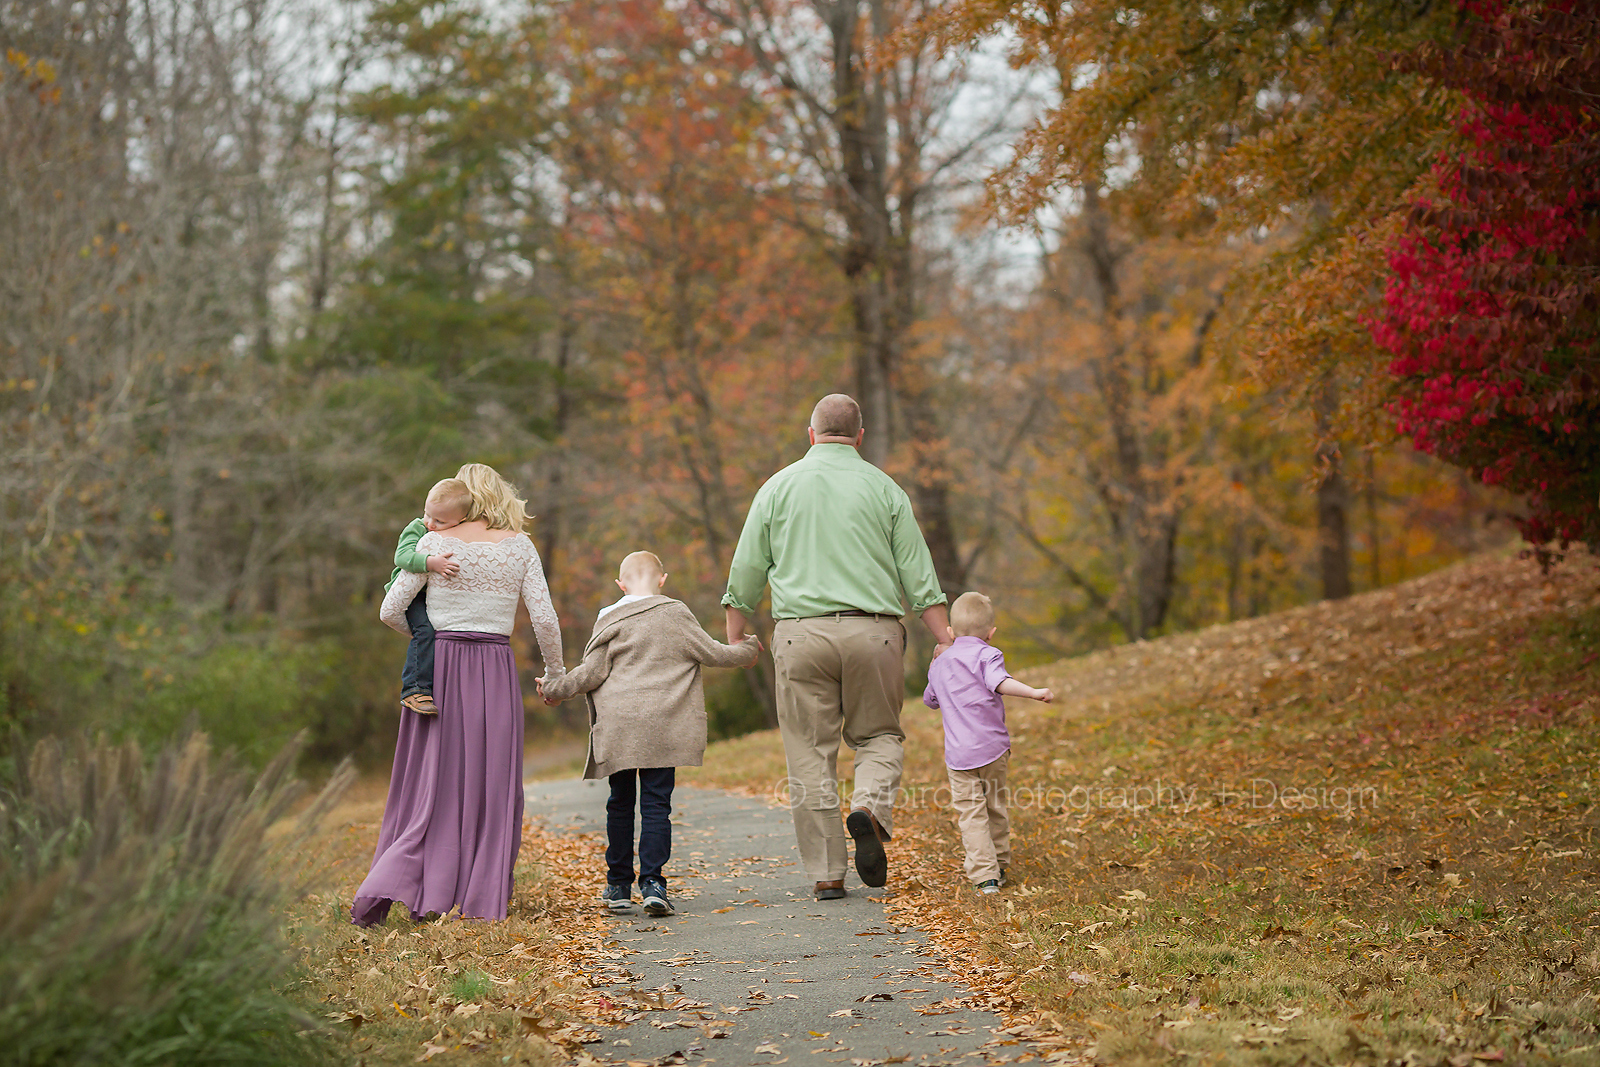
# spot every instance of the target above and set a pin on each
(641, 671)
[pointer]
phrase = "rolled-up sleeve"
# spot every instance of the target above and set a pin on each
(912, 560)
(752, 558)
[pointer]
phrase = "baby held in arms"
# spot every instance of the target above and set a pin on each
(446, 508)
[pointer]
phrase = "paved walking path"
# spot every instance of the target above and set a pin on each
(806, 982)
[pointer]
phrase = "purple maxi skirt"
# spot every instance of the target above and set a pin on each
(453, 822)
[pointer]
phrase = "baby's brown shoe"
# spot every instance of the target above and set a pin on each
(421, 703)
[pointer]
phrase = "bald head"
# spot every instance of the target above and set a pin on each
(836, 415)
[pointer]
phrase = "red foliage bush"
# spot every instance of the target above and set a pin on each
(1492, 313)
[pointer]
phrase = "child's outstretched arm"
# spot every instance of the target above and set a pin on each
(709, 652)
(1013, 688)
(595, 668)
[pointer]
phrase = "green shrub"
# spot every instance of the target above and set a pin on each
(731, 709)
(140, 909)
(142, 669)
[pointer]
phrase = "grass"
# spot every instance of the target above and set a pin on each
(512, 992)
(1359, 832)
(140, 908)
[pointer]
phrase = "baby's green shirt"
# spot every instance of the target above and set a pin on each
(406, 556)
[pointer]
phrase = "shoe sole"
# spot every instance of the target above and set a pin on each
(656, 907)
(831, 894)
(619, 905)
(871, 862)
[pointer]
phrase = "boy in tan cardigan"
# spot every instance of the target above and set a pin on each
(647, 717)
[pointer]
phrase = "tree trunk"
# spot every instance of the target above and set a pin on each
(862, 197)
(1333, 500)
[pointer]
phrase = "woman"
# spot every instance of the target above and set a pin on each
(453, 821)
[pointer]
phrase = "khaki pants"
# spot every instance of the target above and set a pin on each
(979, 797)
(839, 679)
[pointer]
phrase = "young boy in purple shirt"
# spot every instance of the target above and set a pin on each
(966, 685)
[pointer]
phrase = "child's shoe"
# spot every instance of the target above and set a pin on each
(991, 886)
(617, 897)
(654, 892)
(421, 703)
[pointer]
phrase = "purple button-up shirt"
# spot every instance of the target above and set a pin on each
(961, 686)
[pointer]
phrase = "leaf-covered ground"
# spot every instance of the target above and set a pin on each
(1358, 832)
(1352, 833)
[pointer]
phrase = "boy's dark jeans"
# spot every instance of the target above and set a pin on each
(651, 787)
(417, 676)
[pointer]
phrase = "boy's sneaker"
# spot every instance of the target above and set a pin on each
(991, 886)
(1003, 879)
(617, 897)
(654, 892)
(421, 703)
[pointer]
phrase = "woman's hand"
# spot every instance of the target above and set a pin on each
(538, 683)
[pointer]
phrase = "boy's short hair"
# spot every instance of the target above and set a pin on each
(645, 564)
(451, 493)
(972, 615)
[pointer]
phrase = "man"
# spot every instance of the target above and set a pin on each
(836, 539)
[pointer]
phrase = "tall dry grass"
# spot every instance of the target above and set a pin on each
(141, 907)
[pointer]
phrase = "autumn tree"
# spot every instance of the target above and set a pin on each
(1491, 312)
(868, 104)
(1235, 118)
(710, 312)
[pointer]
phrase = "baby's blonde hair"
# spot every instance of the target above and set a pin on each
(972, 615)
(494, 500)
(451, 493)
(647, 564)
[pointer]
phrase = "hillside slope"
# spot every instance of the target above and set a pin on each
(1350, 833)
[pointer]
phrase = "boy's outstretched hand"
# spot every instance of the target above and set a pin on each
(443, 564)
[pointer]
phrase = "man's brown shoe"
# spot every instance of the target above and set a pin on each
(871, 863)
(831, 890)
(421, 703)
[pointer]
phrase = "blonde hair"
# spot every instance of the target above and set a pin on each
(646, 564)
(451, 493)
(494, 500)
(972, 615)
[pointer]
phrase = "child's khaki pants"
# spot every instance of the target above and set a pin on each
(979, 797)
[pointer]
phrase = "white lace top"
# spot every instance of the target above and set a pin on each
(482, 597)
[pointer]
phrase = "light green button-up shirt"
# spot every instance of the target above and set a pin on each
(832, 533)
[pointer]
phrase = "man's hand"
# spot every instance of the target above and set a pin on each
(752, 643)
(443, 564)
